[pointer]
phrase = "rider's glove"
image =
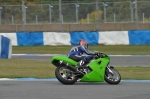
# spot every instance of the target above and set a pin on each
(96, 53)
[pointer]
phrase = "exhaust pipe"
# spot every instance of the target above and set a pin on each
(72, 68)
(68, 66)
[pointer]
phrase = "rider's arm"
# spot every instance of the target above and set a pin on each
(88, 52)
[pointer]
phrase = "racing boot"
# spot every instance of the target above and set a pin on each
(80, 65)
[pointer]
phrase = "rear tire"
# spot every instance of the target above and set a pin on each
(63, 77)
(112, 79)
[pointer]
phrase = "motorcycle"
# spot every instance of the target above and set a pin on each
(96, 70)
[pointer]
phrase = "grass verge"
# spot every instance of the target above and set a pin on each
(10, 68)
(25, 69)
(107, 49)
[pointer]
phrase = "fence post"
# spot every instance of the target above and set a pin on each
(97, 19)
(136, 15)
(23, 15)
(60, 16)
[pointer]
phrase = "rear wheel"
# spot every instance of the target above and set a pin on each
(112, 77)
(65, 75)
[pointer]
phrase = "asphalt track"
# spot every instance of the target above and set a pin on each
(56, 90)
(52, 89)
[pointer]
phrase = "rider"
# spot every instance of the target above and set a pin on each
(77, 51)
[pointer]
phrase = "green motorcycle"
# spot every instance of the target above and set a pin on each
(96, 70)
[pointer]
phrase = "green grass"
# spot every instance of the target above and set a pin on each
(134, 72)
(108, 49)
(10, 68)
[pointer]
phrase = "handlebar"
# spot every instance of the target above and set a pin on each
(100, 55)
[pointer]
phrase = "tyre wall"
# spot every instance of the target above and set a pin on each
(132, 37)
(5, 47)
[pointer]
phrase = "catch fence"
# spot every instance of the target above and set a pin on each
(94, 12)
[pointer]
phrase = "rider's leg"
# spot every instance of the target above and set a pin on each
(79, 59)
(76, 58)
(84, 62)
(81, 63)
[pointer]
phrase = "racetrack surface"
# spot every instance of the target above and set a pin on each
(80, 90)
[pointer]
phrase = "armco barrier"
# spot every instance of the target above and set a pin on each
(139, 37)
(114, 38)
(5, 47)
(56, 38)
(12, 36)
(30, 38)
(91, 37)
(134, 37)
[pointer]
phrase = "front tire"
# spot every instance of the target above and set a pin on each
(114, 78)
(65, 76)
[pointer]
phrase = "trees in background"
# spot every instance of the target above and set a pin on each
(39, 11)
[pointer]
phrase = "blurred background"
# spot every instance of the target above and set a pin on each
(73, 15)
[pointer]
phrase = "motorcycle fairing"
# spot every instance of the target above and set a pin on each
(98, 70)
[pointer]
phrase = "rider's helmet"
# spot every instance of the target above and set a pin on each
(83, 43)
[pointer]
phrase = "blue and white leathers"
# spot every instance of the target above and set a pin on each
(78, 51)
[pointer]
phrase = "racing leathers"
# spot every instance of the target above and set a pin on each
(77, 52)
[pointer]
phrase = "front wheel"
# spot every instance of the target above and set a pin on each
(112, 76)
(65, 75)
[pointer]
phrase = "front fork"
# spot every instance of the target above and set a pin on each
(109, 69)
